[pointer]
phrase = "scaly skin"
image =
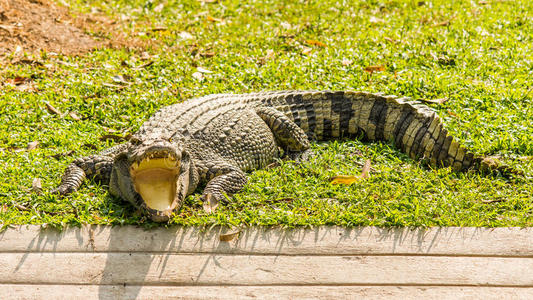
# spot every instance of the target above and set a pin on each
(217, 138)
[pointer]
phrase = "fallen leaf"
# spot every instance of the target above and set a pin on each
(4, 208)
(435, 101)
(349, 179)
(227, 237)
(146, 64)
(493, 201)
(316, 43)
(185, 35)
(444, 23)
(21, 207)
(159, 28)
(390, 40)
(18, 80)
(211, 19)
(347, 62)
(90, 146)
(452, 113)
(372, 69)
(307, 50)
(74, 116)
(198, 76)
(270, 54)
(32, 145)
(120, 79)
(36, 185)
(203, 70)
(114, 137)
(52, 110)
(210, 204)
(64, 154)
(366, 169)
(207, 54)
(344, 179)
(145, 56)
(116, 86)
(375, 20)
(159, 8)
(22, 84)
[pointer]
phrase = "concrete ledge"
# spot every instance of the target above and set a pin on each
(327, 262)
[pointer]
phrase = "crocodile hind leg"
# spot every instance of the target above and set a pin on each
(288, 135)
(223, 179)
(97, 167)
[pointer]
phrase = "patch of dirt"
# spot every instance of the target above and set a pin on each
(34, 25)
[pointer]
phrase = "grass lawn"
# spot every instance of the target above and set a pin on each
(477, 54)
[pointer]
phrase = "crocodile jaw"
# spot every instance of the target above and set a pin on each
(156, 180)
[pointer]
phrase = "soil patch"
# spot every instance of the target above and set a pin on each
(35, 25)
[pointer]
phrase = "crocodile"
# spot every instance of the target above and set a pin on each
(212, 141)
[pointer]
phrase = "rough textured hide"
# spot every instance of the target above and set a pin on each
(217, 138)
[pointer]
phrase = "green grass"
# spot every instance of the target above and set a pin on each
(482, 61)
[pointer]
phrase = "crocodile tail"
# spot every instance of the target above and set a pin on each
(411, 126)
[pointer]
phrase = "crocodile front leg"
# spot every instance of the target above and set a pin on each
(97, 167)
(223, 179)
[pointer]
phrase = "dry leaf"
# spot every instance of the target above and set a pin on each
(316, 43)
(146, 64)
(52, 110)
(65, 154)
(36, 185)
(375, 20)
(493, 201)
(435, 101)
(4, 208)
(211, 19)
(347, 62)
(32, 145)
(344, 179)
(390, 40)
(90, 146)
(18, 80)
(116, 138)
(120, 79)
(349, 179)
(366, 169)
(452, 113)
(159, 28)
(198, 76)
(159, 8)
(229, 236)
(372, 69)
(202, 70)
(207, 54)
(74, 116)
(444, 23)
(210, 204)
(21, 207)
(307, 50)
(145, 56)
(184, 35)
(115, 86)
(270, 54)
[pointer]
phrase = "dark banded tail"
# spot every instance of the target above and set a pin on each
(411, 126)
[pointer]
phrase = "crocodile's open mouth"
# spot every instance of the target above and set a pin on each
(155, 179)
